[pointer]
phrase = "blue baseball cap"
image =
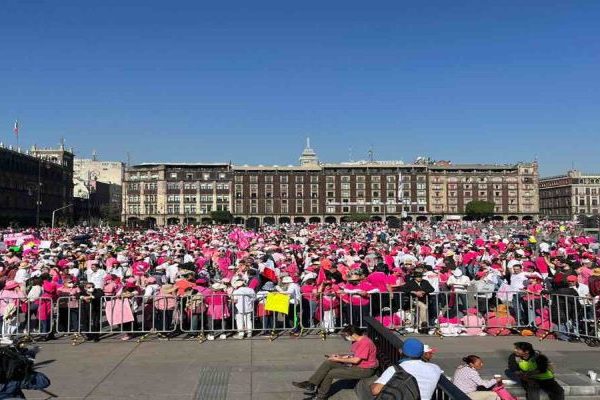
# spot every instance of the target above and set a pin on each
(413, 348)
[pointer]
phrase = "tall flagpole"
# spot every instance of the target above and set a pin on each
(16, 130)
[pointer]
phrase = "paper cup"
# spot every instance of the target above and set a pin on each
(593, 375)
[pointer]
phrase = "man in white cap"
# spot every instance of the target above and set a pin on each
(243, 297)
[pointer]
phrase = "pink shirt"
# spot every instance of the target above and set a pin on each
(309, 292)
(390, 321)
(365, 349)
(379, 280)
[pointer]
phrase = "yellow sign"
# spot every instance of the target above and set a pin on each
(278, 302)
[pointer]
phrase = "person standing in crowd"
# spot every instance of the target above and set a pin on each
(359, 364)
(243, 297)
(534, 371)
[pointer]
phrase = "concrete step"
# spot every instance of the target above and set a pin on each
(576, 386)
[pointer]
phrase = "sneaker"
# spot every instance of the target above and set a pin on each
(240, 335)
(222, 336)
(248, 334)
(210, 337)
(6, 341)
(125, 338)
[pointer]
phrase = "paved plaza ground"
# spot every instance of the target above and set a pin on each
(249, 369)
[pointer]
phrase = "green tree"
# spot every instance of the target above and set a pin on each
(221, 217)
(359, 217)
(478, 209)
(110, 213)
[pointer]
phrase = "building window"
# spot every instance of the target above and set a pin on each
(300, 178)
(330, 209)
(345, 209)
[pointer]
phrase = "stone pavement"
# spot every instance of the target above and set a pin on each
(255, 369)
(177, 370)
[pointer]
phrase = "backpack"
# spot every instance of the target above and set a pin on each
(14, 366)
(401, 386)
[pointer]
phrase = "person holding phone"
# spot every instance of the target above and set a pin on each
(360, 363)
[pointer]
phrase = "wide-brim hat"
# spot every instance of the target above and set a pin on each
(218, 286)
(10, 285)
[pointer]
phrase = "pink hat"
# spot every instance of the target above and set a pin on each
(10, 285)
(130, 280)
(472, 310)
(571, 278)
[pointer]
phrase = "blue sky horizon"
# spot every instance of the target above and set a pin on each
(475, 82)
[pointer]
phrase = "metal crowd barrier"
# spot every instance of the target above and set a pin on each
(388, 353)
(29, 318)
(220, 315)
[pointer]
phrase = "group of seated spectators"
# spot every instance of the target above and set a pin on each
(449, 278)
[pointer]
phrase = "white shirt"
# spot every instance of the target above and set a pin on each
(430, 260)
(171, 272)
(517, 281)
(426, 374)
(293, 290)
(584, 292)
(244, 299)
(97, 278)
(74, 272)
(151, 291)
(34, 293)
(460, 284)
(22, 275)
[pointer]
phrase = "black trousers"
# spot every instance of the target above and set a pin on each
(550, 386)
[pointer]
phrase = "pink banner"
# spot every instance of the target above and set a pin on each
(118, 312)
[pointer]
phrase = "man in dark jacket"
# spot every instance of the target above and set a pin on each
(533, 370)
(419, 290)
(90, 311)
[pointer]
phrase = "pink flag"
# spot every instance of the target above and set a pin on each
(321, 276)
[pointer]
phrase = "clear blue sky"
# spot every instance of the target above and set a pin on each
(469, 81)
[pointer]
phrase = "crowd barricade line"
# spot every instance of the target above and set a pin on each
(27, 318)
(443, 313)
(573, 317)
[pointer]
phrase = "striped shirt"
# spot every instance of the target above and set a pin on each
(467, 379)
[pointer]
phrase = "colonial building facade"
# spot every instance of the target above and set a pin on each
(566, 196)
(35, 183)
(97, 187)
(166, 193)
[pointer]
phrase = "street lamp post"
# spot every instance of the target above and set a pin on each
(39, 193)
(58, 209)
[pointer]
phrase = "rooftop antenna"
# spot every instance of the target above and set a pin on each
(308, 142)
(62, 142)
(94, 158)
(371, 154)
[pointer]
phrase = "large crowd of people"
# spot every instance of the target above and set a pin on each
(449, 278)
